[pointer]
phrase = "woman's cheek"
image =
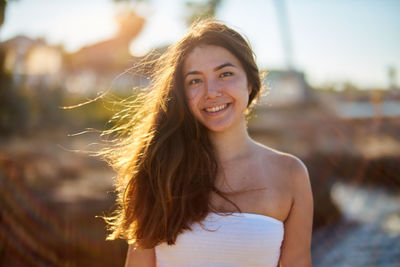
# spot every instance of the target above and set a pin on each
(193, 92)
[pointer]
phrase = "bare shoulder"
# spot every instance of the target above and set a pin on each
(283, 159)
(287, 177)
(288, 168)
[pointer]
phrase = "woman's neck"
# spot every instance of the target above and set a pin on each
(232, 143)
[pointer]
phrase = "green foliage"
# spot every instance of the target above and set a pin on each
(3, 5)
(201, 10)
(13, 108)
(133, 1)
(13, 105)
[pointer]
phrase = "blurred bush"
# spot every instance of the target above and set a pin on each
(14, 110)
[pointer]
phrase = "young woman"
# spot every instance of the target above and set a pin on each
(194, 188)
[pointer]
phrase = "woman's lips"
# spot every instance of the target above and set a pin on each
(216, 109)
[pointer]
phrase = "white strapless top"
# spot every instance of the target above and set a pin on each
(237, 240)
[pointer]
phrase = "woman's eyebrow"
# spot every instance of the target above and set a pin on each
(215, 69)
(192, 73)
(223, 66)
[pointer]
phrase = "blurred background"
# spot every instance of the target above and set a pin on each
(333, 100)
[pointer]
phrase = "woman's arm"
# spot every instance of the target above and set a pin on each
(296, 247)
(140, 257)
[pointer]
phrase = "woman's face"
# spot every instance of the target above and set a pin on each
(216, 87)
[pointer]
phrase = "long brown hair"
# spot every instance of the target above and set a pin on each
(165, 162)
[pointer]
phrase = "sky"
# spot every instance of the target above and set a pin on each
(333, 41)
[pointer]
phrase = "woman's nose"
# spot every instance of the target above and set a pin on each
(213, 89)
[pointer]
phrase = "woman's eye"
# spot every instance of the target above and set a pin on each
(226, 74)
(194, 81)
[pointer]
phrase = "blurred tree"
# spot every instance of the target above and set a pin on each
(130, 1)
(392, 75)
(201, 10)
(3, 5)
(13, 106)
(196, 9)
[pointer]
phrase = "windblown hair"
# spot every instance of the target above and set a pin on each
(165, 162)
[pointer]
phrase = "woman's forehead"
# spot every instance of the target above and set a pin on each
(209, 56)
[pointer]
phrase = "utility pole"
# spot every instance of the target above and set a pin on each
(392, 75)
(285, 32)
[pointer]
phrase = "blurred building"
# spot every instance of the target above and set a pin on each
(96, 67)
(362, 104)
(285, 97)
(285, 88)
(32, 62)
(92, 69)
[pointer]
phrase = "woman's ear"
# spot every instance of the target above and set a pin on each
(249, 88)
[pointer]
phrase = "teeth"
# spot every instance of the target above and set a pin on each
(215, 109)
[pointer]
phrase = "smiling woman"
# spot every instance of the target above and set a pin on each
(193, 187)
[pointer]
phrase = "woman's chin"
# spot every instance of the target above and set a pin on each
(219, 127)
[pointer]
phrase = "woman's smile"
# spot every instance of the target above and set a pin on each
(216, 109)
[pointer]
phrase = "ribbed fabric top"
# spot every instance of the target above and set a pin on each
(237, 240)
